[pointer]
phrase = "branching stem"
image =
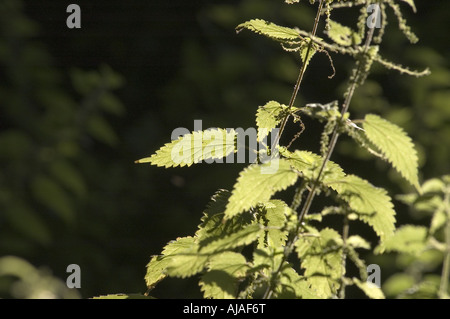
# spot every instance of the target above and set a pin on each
(300, 75)
(359, 72)
(269, 291)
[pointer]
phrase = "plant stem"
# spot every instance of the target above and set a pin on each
(290, 245)
(300, 75)
(345, 231)
(269, 291)
(335, 135)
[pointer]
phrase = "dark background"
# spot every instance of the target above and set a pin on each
(78, 107)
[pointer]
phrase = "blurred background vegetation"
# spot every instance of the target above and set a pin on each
(77, 107)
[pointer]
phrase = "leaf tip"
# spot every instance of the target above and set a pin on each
(143, 160)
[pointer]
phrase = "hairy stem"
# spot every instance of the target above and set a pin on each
(345, 231)
(269, 291)
(335, 134)
(359, 73)
(300, 75)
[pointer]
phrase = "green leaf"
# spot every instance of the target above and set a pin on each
(307, 51)
(321, 257)
(184, 258)
(267, 259)
(433, 186)
(357, 241)
(395, 145)
(370, 289)
(362, 197)
(406, 239)
(214, 226)
(327, 112)
(269, 29)
(222, 279)
(156, 270)
(427, 288)
(276, 220)
(230, 262)
(268, 117)
(293, 286)
(398, 284)
(257, 183)
(342, 35)
(372, 204)
(308, 164)
(178, 245)
(438, 221)
(240, 238)
(193, 148)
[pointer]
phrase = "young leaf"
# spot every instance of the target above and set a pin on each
(370, 289)
(222, 279)
(372, 204)
(257, 183)
(343, 35)
(268, 117)
(269, 29)
(193, 148)
(321, 257)
(395, 145)
(307, 50)
(309, 165)
(407, 239)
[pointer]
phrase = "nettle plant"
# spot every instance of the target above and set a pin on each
(249, 243)
(421, 251)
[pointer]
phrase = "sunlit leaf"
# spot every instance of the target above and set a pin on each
(257, 183)
(395, 145)
(269, 29)
(193, 148)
